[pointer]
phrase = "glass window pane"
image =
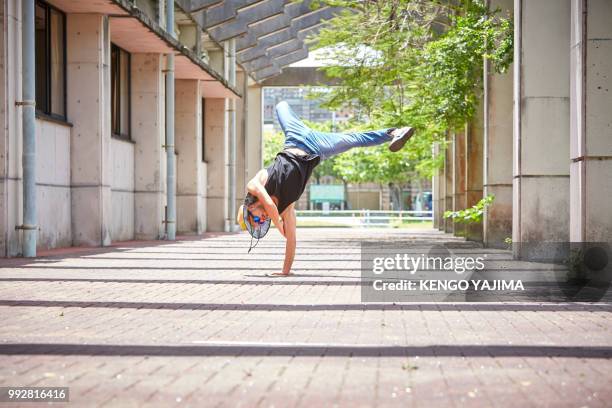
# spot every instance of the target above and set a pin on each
(57, 63)
(115, 90)
(41, 58)
(125, 93)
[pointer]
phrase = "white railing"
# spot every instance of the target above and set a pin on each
(361, 218)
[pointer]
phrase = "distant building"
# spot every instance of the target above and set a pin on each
(307, 109)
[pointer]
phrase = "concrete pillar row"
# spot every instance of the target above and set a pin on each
(88, 61)
(591, 121)
(497, 165)
(191, 172)
(148, 120)
(541, 125)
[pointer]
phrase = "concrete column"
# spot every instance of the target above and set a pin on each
(241, 132)
(591, 121)
(442, 187)
(474, 132)
(435, 190)
(449, 188)
(541, 125)
(88, 58)
(497, 175)
(11, 205)
(216, 156)
(148, 135)
(188, 142)
(459, 178)
(254, 129)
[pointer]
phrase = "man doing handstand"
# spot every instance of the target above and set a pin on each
(273, 191)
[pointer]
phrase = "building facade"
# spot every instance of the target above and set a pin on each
(101, 161)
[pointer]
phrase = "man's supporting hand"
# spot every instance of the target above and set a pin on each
(289, 233)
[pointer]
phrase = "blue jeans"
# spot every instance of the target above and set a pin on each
(324, 144)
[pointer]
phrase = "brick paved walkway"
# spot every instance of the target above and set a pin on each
(198, 323)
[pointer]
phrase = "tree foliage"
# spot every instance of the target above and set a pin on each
(473, 214)
(272, 144)
(409, 63)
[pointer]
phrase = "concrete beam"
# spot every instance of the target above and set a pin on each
(266, 73)
(281, 50)
(199, 5)
(279, 63)
(297, 76)
(287, 34)
(222, 12)
(272, 25)
(240, 24)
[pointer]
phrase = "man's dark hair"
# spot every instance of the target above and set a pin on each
(249, 199)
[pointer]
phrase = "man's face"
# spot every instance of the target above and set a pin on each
(257, 210)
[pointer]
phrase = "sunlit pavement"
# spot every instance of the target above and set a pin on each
(199, 323)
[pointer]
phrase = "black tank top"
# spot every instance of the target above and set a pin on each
(288, 175)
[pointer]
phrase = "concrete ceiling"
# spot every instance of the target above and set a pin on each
(269, 34)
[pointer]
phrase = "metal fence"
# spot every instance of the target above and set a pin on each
(361, 218)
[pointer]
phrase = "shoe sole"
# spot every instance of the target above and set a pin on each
(397, 144)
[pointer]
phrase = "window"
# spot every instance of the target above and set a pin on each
(120, 92)
(50, 40)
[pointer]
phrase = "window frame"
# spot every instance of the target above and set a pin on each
(48, 111)
(120, 52)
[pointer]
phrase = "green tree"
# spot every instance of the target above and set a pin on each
(272, 144)
(411, 62)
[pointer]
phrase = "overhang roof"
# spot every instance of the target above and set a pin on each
(269, 34)
(135, 32)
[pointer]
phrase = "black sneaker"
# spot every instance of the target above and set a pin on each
(400, 137)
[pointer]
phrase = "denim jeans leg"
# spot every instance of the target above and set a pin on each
(331, 144)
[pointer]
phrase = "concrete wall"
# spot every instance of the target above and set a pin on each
(53, 184)
(122, 190)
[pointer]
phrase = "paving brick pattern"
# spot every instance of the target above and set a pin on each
(198, 323)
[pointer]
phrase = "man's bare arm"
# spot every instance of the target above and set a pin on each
(256, 187)
(290, 235)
